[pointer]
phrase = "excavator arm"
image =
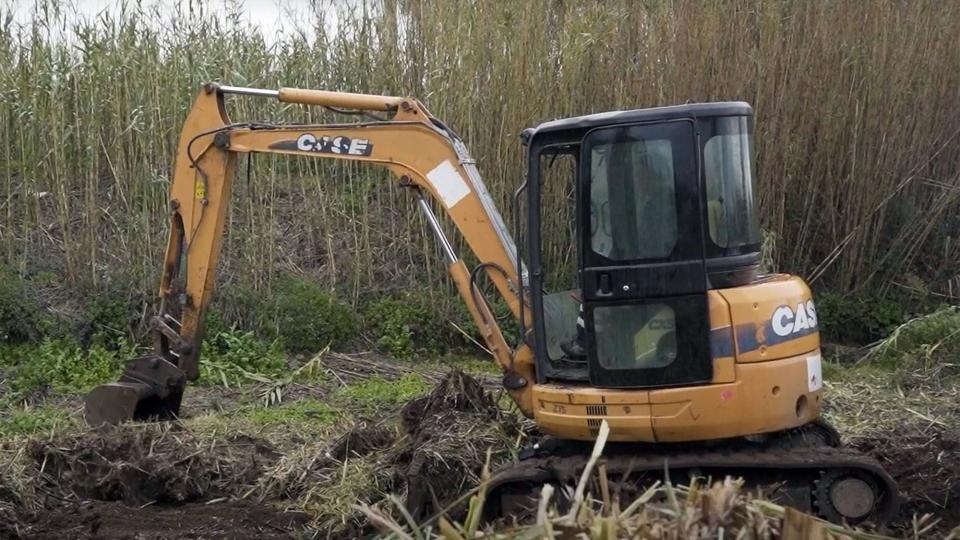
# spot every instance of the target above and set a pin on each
(420, 151)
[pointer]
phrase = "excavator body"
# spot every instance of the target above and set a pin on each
(685, 340)
(696, 361)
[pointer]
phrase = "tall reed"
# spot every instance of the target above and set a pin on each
(858, 132)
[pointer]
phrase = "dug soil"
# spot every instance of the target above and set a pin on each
(97, 519)
(927, 471)
(159, 481)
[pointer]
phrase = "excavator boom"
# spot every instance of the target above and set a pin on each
(421, 152)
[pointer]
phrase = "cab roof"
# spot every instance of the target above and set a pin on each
(673, 112)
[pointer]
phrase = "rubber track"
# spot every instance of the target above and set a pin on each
(814, 459)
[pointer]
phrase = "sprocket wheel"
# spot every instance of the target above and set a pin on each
(846, 496)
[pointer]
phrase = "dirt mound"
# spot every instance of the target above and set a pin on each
(450, 431)
(103, 520)
(927, 470)
(165, 480)
(432, 461)
(148, 464)
(360, 441)
(457, 392)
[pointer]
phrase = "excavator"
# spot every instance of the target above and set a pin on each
(698, 363)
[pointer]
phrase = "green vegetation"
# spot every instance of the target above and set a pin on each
(472, 364)
(410, 324)
(376, 393)
(232, 357)
(303, 414)
(60, 365)
(35, 421)
(508, 324)
(930, 342)
(857, 320)
(309, 319)
(108, 321)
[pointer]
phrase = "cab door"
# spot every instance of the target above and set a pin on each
(643, 273)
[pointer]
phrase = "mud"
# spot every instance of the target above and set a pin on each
(146, 482)
(457, 392)
(927, 470)
(103, 520)
(362, 440)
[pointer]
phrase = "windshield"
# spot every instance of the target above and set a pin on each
(730, 185)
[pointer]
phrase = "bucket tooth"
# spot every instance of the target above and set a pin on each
(150, 388)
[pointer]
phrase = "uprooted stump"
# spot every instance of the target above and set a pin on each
(450, 431)
(455, 392)
(142, 464)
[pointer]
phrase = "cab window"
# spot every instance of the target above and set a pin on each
(632, 198)
(730, 185)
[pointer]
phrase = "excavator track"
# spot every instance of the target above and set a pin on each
(838, 484)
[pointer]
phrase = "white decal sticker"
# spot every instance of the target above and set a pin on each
(448, 183)
(814, 373)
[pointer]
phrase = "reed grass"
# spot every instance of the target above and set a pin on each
(858, 132)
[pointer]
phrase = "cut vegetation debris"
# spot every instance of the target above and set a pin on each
(900, 402)
(431, 451)
(663, 511)
(429, 460)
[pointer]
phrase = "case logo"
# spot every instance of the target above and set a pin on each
(787, 320)
(324, 144)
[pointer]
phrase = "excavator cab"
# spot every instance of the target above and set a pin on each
(664, 210)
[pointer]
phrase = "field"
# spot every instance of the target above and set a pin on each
(298, 455)
(341, 377)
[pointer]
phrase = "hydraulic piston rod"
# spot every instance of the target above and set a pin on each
(364, 102)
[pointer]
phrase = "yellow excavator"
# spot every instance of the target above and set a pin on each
(698, 363)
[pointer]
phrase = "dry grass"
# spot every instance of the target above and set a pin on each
(875, 405)
(907, 381)
(857, 136)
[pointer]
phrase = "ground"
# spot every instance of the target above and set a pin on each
(262, 459)
(295, 458)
